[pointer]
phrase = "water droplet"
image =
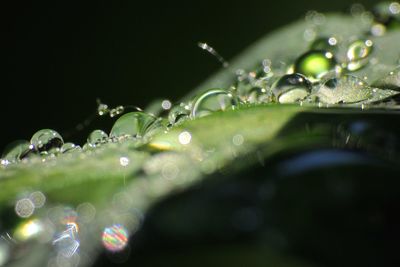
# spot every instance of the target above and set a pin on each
(135, 124)
(38, 199)
(46, 139)
(102, 109)
(315, 64)
(178, 114)
(115, 238)
(291, 88)
(96, 138)
(326, 44)
(211, 101)
(15, 151)
(69, 148)
(124, 161)
(357, 54)
(347, 89)
(116, 111)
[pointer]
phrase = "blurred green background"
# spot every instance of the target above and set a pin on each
(60, 56)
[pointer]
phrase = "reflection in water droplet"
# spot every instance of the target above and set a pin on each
(16, 151)
(115, 238)
(315, 64)
(124, 161)
(347, 89)
(102, 109)
(211, 101)
(24, 208)
(69, 148)
(96, 138)
(291, 88)
(178, 114)
(357, 54)
(135, 124)
(46, 139)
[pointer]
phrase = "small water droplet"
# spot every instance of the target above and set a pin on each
(178, 114)
(211, 101)
(346, 89)
(102, 109)
(135, 124)
(46, 139)
(388, 14)
(24, 208)
(116, 111)
(357, 54)
(291, 88)
(185, 137)
(115, 238)
(124, 161)
(315, 64)
(96, 138)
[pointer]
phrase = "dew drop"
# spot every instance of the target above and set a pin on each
(315, 64)
(135, 124)
(96, 138)
(211, 101)
(46, 139)
(291, 88)
(347, 89)
(388, 14)
(24, 208)
(15, 151)
(102, 109)
(357, 54)
(178, 114)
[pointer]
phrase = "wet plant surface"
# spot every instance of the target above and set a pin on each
(287, 157)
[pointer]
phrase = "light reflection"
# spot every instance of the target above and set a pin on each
(124, 161)
(115, 238)
(24, 208)
(28, 230)
(185, 138)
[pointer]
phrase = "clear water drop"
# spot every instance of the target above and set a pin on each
(96, 138)
(211, 101)
(388, 14)
(178, 114)
(70, 147)
(291, 88)
(135, 124)
(16, 151)
(46, 139)
(102, 109)
(357, 54)
(346, 89)
(315, 64)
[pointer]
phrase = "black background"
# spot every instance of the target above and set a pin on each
(59, 56)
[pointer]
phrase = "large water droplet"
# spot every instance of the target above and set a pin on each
(315, 64)
(357, 54)
(347, 89)
(325, 43)
(178, 114)
(390, 81)
(96, 138)
(135, 124)
(16, 151)
(291, 88)
(211, 101)
(46, 139)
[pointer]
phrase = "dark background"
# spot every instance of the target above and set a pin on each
(58, 56)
